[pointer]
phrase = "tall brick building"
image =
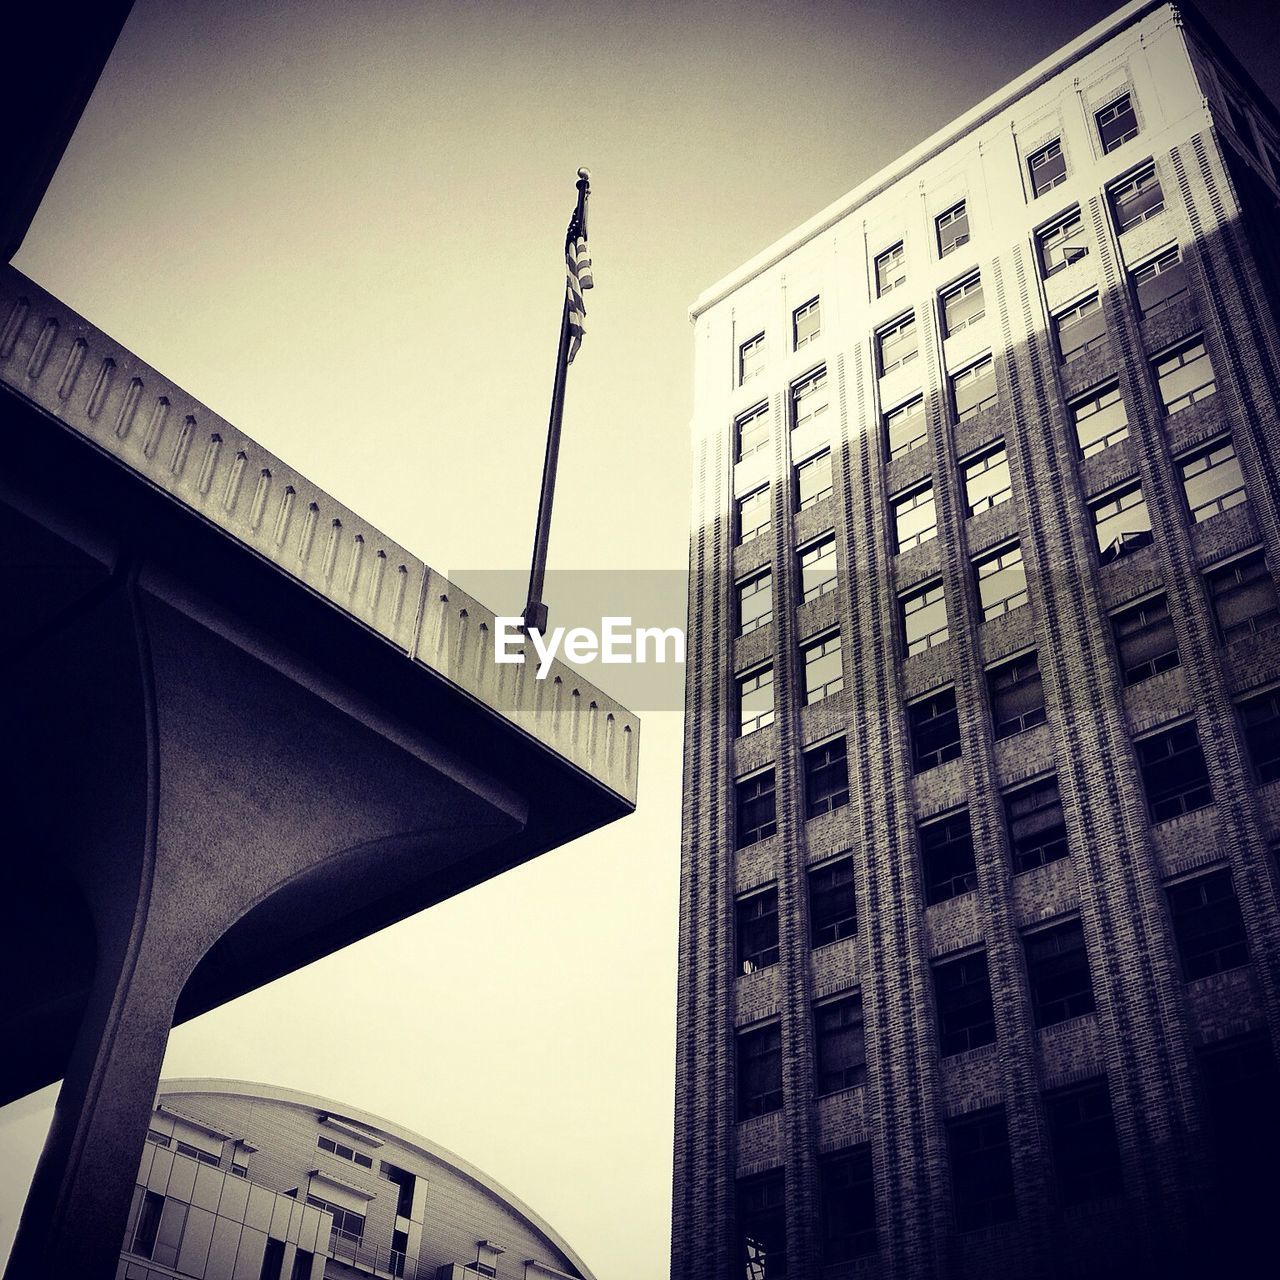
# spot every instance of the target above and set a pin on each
(979, 927)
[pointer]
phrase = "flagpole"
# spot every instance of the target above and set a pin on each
(535, 611)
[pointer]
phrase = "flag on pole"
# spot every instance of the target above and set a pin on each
(578, 261)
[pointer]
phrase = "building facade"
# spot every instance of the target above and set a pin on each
(249, 1182)
(979, 936)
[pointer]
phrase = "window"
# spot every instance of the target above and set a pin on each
(751, 358)
(751, 432)
(1207, 925)
(1062, 243)
(1048, 167)
(1260, 719)
(986, 479)
(897, 344)
(1242, 1089)
(818, 568)
(846, 1188)
(974, 389)
(158, 1233)
(1173, 772)
(810, 398)
(1058, 973)
(823, 669)
(915, 517)
(343, 1152)
(755, 700)
(840, 1044)
(756, 809)
(1137, 199)
(144, 1233)
(1184, 376)
(757, 932)
(1017, 695)
(1159, 283)
(946, 856)
(1117, 123)
(806, 322)
(1244, 597)
(981, 1170)
(160, 1139)
(205, 1157)
(1212, 480)
(1099, 419)
(832, 908)
(935, 730)
(762, 1227)
(1145, 642)
(962, 305)
(905, 427)
(965, 1017)
(924, 618)
(754, 515)
(1002, 581)
(826, 777)
(1240, 123)
(813, 480)
(1036, 827)
(272, 1260)
(755, 603)
(302, 1263)
(1082, 1143)
(953, 229)
(1121, 523)
(347, 1224)
(1080, 328)
(891, 270)
(759, 1071)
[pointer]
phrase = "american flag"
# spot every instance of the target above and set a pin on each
(578, 261)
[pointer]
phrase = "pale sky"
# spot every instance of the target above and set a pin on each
(340, 224)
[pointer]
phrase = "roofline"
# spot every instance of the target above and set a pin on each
(937, 142)
(211, 1085)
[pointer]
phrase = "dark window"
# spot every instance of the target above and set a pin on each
(946, 856)
(1048, 167)
(924, 618)
(986, 479)
(302, 1261)
(757, 811)
(1161, 282)
(1017, 695)
(1117, 122)
(905, 427)
(963, 305)
(965, 1017)
(1099, 419)
(757, 919)
(762, 1227)
(847, 1188)
(755, 603)
(1212, 480)
(1244, 597)
(1242, 1099)
(1002, 581)
(832, 906)
(891, 270)
(1037, 829)
(1082, 1141)
(751, 358)
(915, 517)
(813, 480)
(826, 777)
(935, 730)
(404, 1183)
(953, 229)
(1207, 925)
(898, 344)
(806, 322)
(818, 568)
(272, 1260)
(1240, 123)
(981, 1171)
(1121, 523)
(759, 1071)
(1260, 718)
(754, 515)
(205, 1157)
(755, 700)
(974, 389)
(1058, 973)
(1184, 376)
(823, 668)
(344, 1152)
(1136, 199)
(144, 1233)
(810, 398)
(1080, 328)
(347, 1224)
(1062, 243)
(840, 1044)
(160, 1139)
(751, 432)
(1145, 641)
(1173, 772)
